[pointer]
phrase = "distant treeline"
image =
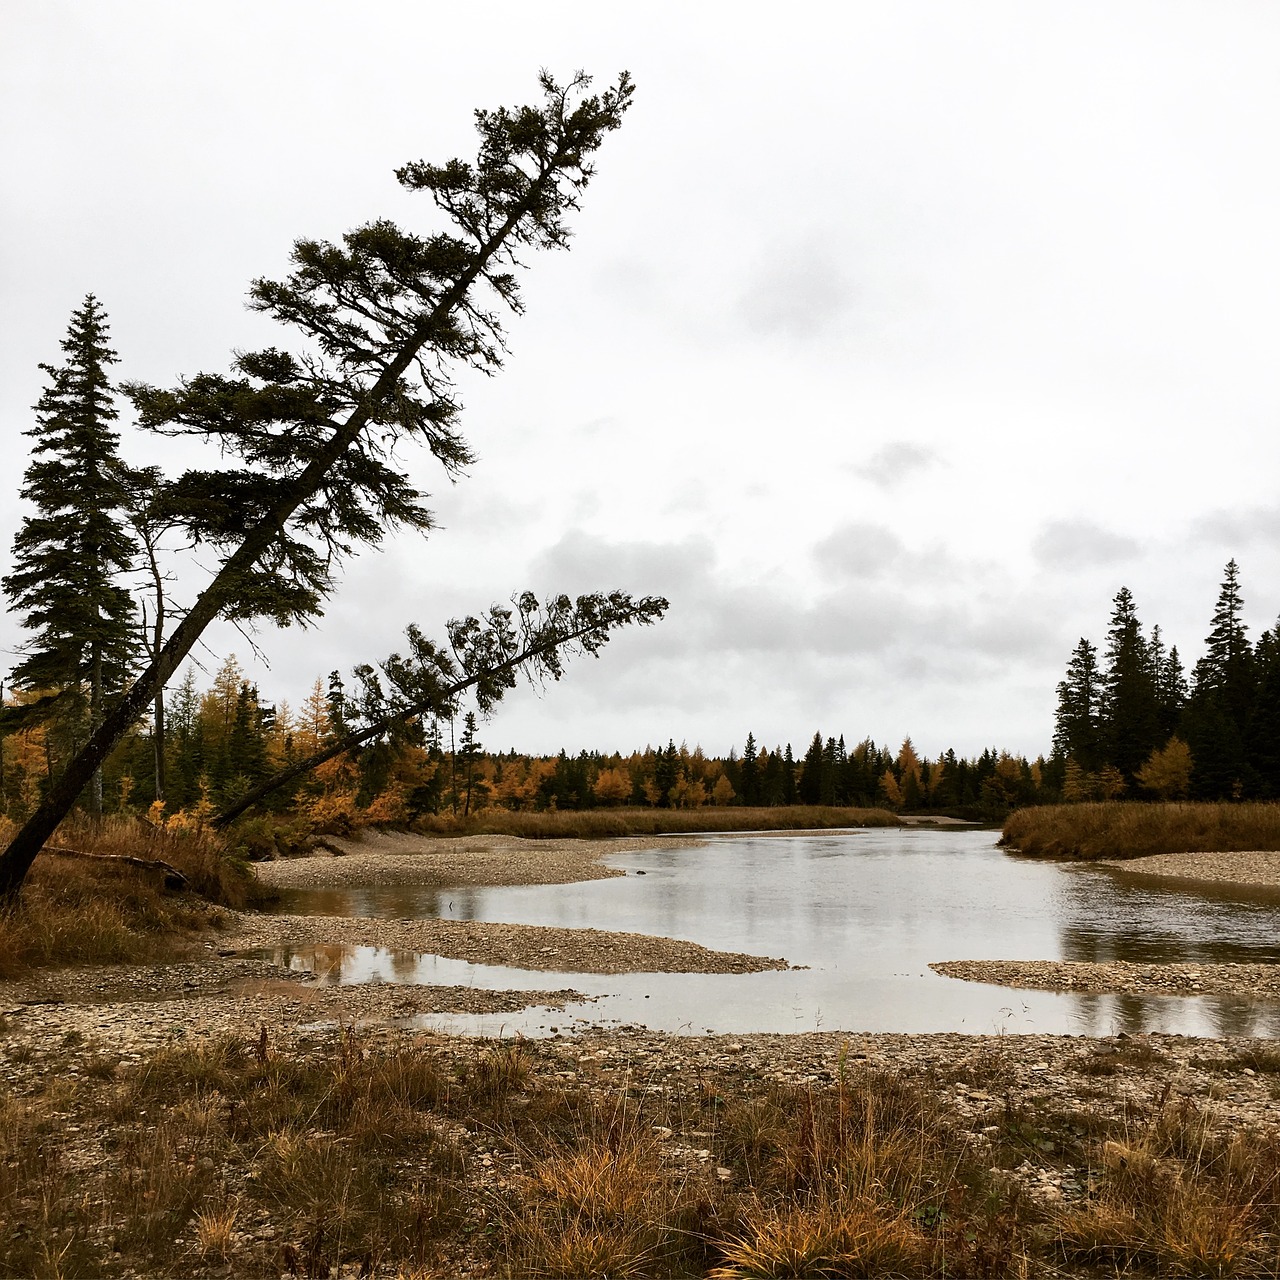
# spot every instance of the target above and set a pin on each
(220, 742)
(1130, 723)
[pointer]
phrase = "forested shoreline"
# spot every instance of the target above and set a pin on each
(223, 740)
(1130, 723)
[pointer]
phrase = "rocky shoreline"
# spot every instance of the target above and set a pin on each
(233, 984)
(1114, 977)
(1254, 868)
(391, 858)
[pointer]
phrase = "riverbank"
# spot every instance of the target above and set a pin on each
(403, 858)
(1254, 868)
(222, 1115)
(286, 1146)
(1120, 977)
(1123, 829)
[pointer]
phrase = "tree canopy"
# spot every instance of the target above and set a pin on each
(386, 318)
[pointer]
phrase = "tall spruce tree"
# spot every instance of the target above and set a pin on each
(1076, 733)
(70, 557)
(810, 786)
(1221, 702)
(750, 773)
(1170, 685)
(390, 317)
(1262, 731)
(1130, 714)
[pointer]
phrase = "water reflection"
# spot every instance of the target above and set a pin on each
(1113, 915)
(867, 912)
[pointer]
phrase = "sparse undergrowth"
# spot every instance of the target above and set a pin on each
(1128, 829)
(89, 911)
(412, 1160)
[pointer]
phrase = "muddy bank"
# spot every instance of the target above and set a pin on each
(1259, 981)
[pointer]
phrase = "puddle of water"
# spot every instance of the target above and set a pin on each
(867, 911)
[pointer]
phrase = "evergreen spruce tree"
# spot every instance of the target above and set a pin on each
(809, 787)
(470, 751)
(1171, 685)
(788, 777)
(1076, 727)
(1129, 721)
(69, 558)
(1262, 731)
(1222, 697)
(750, 773)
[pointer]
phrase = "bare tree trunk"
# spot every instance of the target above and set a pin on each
(95, 718)
(153, 644)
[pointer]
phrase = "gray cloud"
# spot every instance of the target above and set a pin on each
(1077, 544)
(889, 466)
(860, 550)
(580, 562)
(1243, 525)
(712, 617)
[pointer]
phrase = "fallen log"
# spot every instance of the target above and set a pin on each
(173, 878)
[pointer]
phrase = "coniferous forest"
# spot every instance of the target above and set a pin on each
(1131, 722)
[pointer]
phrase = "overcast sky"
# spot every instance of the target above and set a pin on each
(895, 337)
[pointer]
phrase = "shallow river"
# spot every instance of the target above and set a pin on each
(866, 912)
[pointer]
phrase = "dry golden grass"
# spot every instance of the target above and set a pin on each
(1129, 829)
(1180, 1196)
(600, 823)
(422, 1162)
(823, 1237)
(216, 1230)
(89, 911)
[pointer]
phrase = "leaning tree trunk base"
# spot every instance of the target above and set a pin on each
(173, 878)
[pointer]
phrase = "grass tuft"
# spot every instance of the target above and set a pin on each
(821, 1238)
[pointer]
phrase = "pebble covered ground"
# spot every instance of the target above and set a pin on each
(1257, 867)
(68, 1023)
(1121, 976)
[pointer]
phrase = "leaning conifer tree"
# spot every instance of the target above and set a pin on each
(483, 656)
(389, 314)
(70, 556)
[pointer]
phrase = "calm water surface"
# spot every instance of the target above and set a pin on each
(866, 912)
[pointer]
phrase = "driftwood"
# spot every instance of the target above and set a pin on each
(173, 878)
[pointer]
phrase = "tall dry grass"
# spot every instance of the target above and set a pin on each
(417, 1159)
(1129, 829)
(86, 911)
(599, 823)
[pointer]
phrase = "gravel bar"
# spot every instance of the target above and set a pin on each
(1260, 981)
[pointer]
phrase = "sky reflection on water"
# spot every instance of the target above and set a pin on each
(866, 911)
